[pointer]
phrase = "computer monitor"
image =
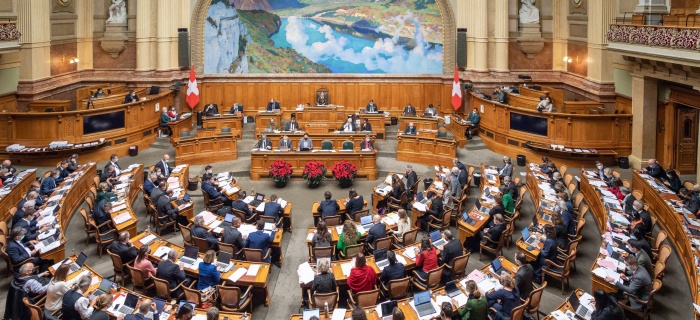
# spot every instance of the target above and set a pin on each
(259, 197)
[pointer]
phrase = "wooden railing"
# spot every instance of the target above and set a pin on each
(658, 36)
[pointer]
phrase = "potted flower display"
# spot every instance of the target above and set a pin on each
(280, 172)
(345, 172)
(314, 172)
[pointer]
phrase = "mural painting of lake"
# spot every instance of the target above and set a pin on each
(323, 36)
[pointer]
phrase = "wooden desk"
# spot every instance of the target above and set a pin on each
(330, 118)
(231, 121)
(182, 174)
(262, 119)
(317, 138)
(419, 122)
(56, 105)
(376, 120)
(88, 91)
(425, 150)
(179, 126)
(565, 306)
(365, 161)
(341, 212)
(202, 150)
(508, 266)
(595, 205)
(459, 128)
(19, 191)
(111, 100)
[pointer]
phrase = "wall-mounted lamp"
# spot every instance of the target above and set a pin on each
(568, 59)
(71, 60)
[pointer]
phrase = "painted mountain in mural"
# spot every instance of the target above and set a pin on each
(251, 4)
(285, 4)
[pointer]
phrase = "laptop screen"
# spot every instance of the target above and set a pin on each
(105, 285)
(496, 264)
(487, 192)
(421, 297)
(435, 236)
(191, 251)
(81, 259)
(419, 196)
(259, 196)
(184, 302)
(228, 218)
(465, 216)
(308, 314)
(160, 304)
(380, 254)
(610, 249)
(224, 257)
(451, 287)
(131, 300)
(525, 233)
(366, 219)
(573, 300)
(388, 307)
(478, 205)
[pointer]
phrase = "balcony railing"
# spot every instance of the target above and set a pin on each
(8, 31)
(659, 36)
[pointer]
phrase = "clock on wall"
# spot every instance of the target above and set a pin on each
(577, 6)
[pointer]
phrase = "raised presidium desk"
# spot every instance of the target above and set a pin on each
(322, 119)
(262, 120)
(377, 121)
(426, 150)
(681, 227)
(179, 126)
(120, 125)
(255, 274)
(108, 101)
(232, 121)
(365, 161)
(336, 138)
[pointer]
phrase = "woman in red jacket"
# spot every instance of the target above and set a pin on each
(362, 277)
(426, 258)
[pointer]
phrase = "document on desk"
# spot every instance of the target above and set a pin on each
(401, 260)
(306, 273)
(261, 207)
(253, 271)
(236, 275)
(47, 234)
(409, 253)
(419, 206)
(147, 239)
(51, 246)
(119, 207)
(161, 252)
(124, 217)
(338, 314)
(346, 267)
(604, 272)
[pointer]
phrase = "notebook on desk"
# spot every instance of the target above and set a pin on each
(259, 198)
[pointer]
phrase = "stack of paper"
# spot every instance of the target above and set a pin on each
(237, 274)
(346, 267)
(147, 239)
(124, 217)
(253, 271)
(306, 273)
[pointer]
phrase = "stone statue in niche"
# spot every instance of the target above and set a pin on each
(528, 12)
(117, 12)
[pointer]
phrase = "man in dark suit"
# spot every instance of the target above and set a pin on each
(165, 207)
(644, 215)
(524, 276)
(409, 110)
(199, 231)
(410, 129)
(31, 225)
(348, 126)
(436, 210)
(211, 109)
(236, 108)
(25, 204)
(147, 305)
(215, 196)
(367, 144)
(411, 177)
(655, 170)
(494, 233)
(36, 187)
(286, 143)
(506, 169)
(150, 183)
(451, 250)
(264, 143)
(158, 191)
(292, 125)
(18, 252)
(109, 176)
(173, 272)
(511, 188)
(124, 249)
(131, 97)
(639, 282)
(9, 170)
(376, 232)
(232, 236)
(273, 105)
(306, 142)
(163, 165)
(114, 161)
(393, 271)
(371, 107)
(261, 240)
(501, 96)
(462, 172)
(328, 207)
(366, 126)
(273, 209)
(49, 183)
(242, 206)
(62, 171)
(101, 214)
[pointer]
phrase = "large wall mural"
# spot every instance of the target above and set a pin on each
(323, 36)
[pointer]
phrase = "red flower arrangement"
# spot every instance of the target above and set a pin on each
(344, 170)
(280, 170)
(314, 172)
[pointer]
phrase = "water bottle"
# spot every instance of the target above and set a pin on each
(72, 252)
(325, 309)
(148, 229)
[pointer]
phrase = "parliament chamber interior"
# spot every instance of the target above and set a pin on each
(440, 159)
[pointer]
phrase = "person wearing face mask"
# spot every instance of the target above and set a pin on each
(348, 126)
(371, 107)
(545, 104)
(506, 169)
(367, 144)
(208, 169)
(643, 214)
(639, 282)
(264, 143)
(17, 251)
(655, 170)
(643, 258)
(113, 161)
(306, 143)
(131, 97)
(600, 169)
(366, 126)
(474, 118)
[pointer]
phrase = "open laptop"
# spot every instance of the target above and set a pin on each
(612, 253)
(487, 193)
(481, 209)
(545, 217)
(259, 198)
(304, 149)
(546, 205)
(129, 305)
(78, 263)
(496, 266)
(388, 309)
(190, 255)
(528, 238)
(582, 312)
(310, 313)
(436, 238)
(224, 261)
(48, 241)
(451, 289)
(104, 287)
(468, 219)
(160, 304)
(380, 258)
(366, 221)
(423, 304)
(420, 198)
(227, 220)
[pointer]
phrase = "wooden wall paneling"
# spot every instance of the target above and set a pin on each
(8, 103)
(367, 92)
(623, 104)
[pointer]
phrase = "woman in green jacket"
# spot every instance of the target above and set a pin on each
(349, 236)
(508, 203)
(476, 307)
(103, 194)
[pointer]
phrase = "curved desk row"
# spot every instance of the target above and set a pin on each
(336, 138)
(135, 124)
(426, 150)
(507, 130)
(16, 195)
(365, 161)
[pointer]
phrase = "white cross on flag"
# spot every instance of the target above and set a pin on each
(192, 91)
(456, 92)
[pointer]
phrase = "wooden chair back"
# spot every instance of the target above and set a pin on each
(659, 268)
(137, 278)
(519, 312)
(322, 252)
(193, 295)
(367, 298)
(410, 236)
(35, 312)
(359, 214)
(201, 243)
(535, 298)
(319, 300)
(434, 277)
(383, 243)
(332, 221)
(253, 255)
(660, 238)
(162, 288)
(664, 253)
(459, 266)
(398, 288)
(90, 203)
(352, 250)
(186, 234)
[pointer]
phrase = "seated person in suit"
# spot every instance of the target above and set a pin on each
(17, 251)
(211, 109)
(501, 96)
(26, 203)
(8, 171)
(367, 144)
(293, 125)
(109, 177)
(524, 275)
(366, 126)
(474, 118)
(236, 108)
(410, 129)
(242, 206)
(328, 207)
(348, 126)
(31, 224)
(436, 210)
(471, 244)
(150, 183)
(103, 194)
(261, 240)
(163, 165)
(639, 283)
(506, 169)
(286, 143)
(371, 107)
(49, 183)
(214, 193)
(165, 118)
(199, 231)
(99, 93)
(124, 248)
(376, 232)
(102, 213)
(173, 272)
(264, 143)
(158, 191)
(409, 110)
(273, 209)
(165, 209)
(451, 250)
(62, 171)
(273, 105)
(32, 284)
(430, 111)
(393, 271)
(232, 236)
(655, 170)
(131, 97)
(355, 203)
(272, 125)
(114, 160)
(306, 143)
(36, 187)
